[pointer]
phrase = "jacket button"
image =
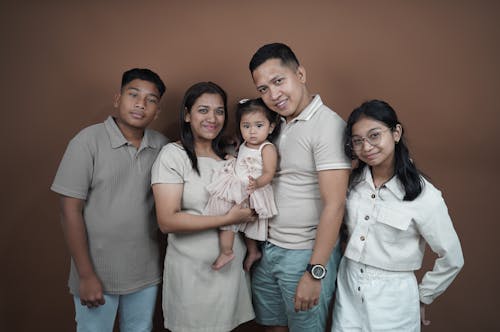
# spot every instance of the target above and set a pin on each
(362, 238)
(367, 217)
(373, 195)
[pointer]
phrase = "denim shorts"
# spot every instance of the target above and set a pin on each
(275, 280)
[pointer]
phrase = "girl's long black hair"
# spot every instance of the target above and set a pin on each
(404, 168)
(187, 140)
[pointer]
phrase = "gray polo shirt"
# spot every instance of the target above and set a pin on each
(310, 143)
(114, 178)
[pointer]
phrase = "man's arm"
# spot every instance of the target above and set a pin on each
(332, 187)
(75, 234)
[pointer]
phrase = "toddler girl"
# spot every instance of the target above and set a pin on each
(247, 180)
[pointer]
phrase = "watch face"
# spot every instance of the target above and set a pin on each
(318, 271)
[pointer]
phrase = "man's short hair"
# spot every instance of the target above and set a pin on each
(274, 51)
(145, 75)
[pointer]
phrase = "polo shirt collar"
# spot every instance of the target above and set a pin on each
(393, 185)
(117, 139)
(148, 141)
(310, 109)
(115, 135)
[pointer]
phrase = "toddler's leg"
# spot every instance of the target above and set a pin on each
(226, 240)
(253, 253)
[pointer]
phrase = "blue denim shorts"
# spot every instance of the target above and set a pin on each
(275, 280)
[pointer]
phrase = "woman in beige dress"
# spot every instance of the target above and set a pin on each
(195, 297)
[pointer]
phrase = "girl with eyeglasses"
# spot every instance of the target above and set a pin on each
(392, 211)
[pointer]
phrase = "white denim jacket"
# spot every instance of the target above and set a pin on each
(389, 233)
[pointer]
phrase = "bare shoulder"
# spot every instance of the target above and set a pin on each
(269, 147)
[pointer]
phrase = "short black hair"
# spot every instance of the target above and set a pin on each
(274, 51)
(145, 75)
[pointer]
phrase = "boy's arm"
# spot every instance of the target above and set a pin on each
(269, 164)
(332, 187)
(75, 234)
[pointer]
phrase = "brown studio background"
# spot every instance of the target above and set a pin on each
(436, 62)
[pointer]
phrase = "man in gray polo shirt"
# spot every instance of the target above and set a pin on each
(107, 211)
(294, 281)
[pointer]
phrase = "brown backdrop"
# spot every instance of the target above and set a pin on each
(436, 62)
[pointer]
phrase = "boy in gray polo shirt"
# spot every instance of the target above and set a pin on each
(294, 281)
(107, 210)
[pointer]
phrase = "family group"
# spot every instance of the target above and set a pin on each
(253, 225)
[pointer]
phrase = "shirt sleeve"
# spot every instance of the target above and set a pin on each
(74, 175)
(438, 232)
(170, 165)
(328, 146)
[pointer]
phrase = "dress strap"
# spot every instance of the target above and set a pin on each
(263, 145)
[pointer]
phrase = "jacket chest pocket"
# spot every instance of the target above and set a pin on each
(393, 225)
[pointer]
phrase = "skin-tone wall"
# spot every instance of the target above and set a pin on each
(435, 62)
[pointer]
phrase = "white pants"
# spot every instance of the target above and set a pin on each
(372, 299)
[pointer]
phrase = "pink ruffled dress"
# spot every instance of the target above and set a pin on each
(229, 187)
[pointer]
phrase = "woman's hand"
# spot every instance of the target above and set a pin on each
(239, 215)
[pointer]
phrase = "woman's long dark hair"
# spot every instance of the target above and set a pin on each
(256, 105)
(187, 139)
(404, 168)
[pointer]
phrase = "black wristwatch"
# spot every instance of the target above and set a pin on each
(317, 271)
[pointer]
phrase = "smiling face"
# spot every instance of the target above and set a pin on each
(380, 154)
(255, 127)
(206, 117)
(282, 87)
(138, 104)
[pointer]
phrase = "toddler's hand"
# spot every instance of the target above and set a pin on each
(252, 185)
